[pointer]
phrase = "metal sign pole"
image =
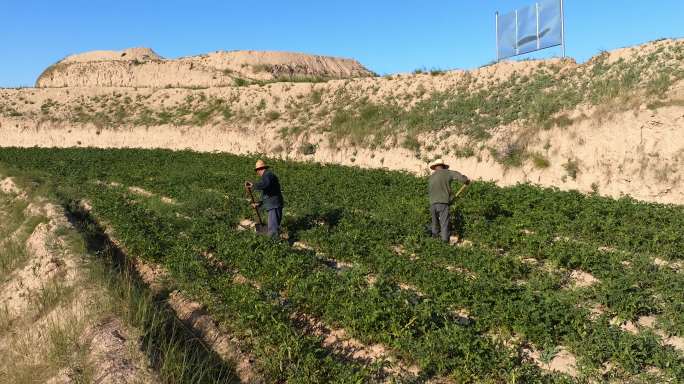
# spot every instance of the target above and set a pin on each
(497, 36)
(538, 41)
(517, 49)
(562, 27)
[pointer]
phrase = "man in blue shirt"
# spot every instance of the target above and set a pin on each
(271, 196)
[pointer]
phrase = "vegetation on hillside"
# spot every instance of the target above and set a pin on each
(540, 99)
(385, 112)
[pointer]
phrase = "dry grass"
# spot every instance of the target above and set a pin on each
(37, 344)
(665, 103)
(52, 294)
(39, 351)
(66, 348)
(15, 228)
(5, 320)
(12, 215)
(12, 256)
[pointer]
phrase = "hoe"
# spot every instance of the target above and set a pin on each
(460, 191)
(259, 226)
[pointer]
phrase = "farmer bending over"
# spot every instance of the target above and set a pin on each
(271, 196)
(439, 189)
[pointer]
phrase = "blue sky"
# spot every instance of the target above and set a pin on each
(386, 36)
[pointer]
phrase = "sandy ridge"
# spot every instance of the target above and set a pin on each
(51, 264)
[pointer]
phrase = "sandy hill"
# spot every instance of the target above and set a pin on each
(131, 54)
(142, 67)
(611, 126)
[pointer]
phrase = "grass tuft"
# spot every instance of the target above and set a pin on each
(540, 161)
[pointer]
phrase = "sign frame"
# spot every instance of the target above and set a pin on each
(538, 40)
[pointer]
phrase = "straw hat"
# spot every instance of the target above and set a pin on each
(437, 162)
(260, 164)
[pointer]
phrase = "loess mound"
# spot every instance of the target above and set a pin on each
(130, 54)
(142, 67)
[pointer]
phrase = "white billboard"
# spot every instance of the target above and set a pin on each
(530, 29)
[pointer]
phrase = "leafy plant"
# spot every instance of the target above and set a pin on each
(307, 149)
(572, 168)
(464, 151)
(547, 355)
(272, 115)
(540, 161)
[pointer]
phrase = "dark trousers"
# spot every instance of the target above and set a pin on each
(440, 221)
(275, 216)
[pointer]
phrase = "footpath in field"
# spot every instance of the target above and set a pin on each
(550, 286)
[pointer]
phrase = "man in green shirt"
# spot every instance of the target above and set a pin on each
(439, 190)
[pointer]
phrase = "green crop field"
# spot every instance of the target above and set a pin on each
(469, 313)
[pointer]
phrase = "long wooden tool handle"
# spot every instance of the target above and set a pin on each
(463, 188)
(256, 210)
(460, 191)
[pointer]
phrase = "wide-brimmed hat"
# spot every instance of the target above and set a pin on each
(437, 162)
(260, 164)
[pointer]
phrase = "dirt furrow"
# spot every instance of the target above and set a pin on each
(340, 343)
(336, 340)
(190, 312)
